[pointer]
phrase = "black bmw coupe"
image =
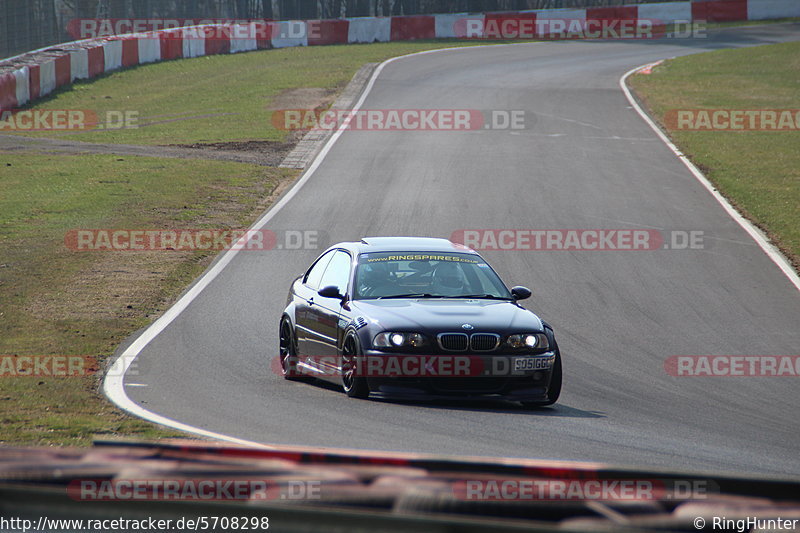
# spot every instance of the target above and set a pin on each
(416, 318)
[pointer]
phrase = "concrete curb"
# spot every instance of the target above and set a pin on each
(312, 142)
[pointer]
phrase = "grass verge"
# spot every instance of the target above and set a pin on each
(757, 171)
(220, 98)
(61, 302)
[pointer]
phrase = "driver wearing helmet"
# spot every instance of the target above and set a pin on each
(448, 280)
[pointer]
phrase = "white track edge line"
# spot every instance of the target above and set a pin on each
(114, 381)
(761, 239)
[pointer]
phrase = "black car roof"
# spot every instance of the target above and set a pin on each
(403, 244)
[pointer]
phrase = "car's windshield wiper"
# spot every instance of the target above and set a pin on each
(429, 295)
(411, 295)
(482, 296)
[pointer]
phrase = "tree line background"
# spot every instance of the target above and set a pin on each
(31, 24)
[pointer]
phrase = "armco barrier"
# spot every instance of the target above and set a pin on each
(64, 70)
(369, 30)
(34, 82)
(149, 48)
(193, 43)
(445, 25)
(612, 13)
(413, 27)
(130, 52)
(244, 37)
(321, 32)
(573, 18)
(96, 60)
(25, 78)
(171, 44)
(112, 54)
(8, 91)
(666, 12)
(289, 33)
(772, 9)
(79, 64)
(720, 10)
(47, 77)
(217, 41)
(509, 25)
(263, 35)
(23, 94)
(470, 27)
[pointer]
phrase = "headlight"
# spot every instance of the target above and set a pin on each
(532, 341)
(391, 339)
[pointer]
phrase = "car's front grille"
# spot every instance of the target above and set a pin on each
(477, 342)
(484, 342)
(454, 342)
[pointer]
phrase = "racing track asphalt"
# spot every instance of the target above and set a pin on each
(584, 160)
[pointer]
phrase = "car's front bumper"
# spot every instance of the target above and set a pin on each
(487, 376)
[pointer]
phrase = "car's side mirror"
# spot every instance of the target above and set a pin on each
(520, 293)
(331, 291)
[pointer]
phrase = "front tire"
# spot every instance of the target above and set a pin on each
(288, 353)
(354, 385)
(553, 390)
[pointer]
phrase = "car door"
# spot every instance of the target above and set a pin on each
(327, 311)
(305, 294)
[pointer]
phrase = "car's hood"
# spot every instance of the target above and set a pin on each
(448, 314)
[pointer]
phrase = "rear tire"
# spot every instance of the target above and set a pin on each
(354, 386)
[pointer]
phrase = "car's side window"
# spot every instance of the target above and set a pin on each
(338, 271)
(314, 274)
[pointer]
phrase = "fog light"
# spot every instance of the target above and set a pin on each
(416, 339)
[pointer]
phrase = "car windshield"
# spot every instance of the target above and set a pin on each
(426, 275)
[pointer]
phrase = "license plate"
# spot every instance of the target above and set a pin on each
(531, 363)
